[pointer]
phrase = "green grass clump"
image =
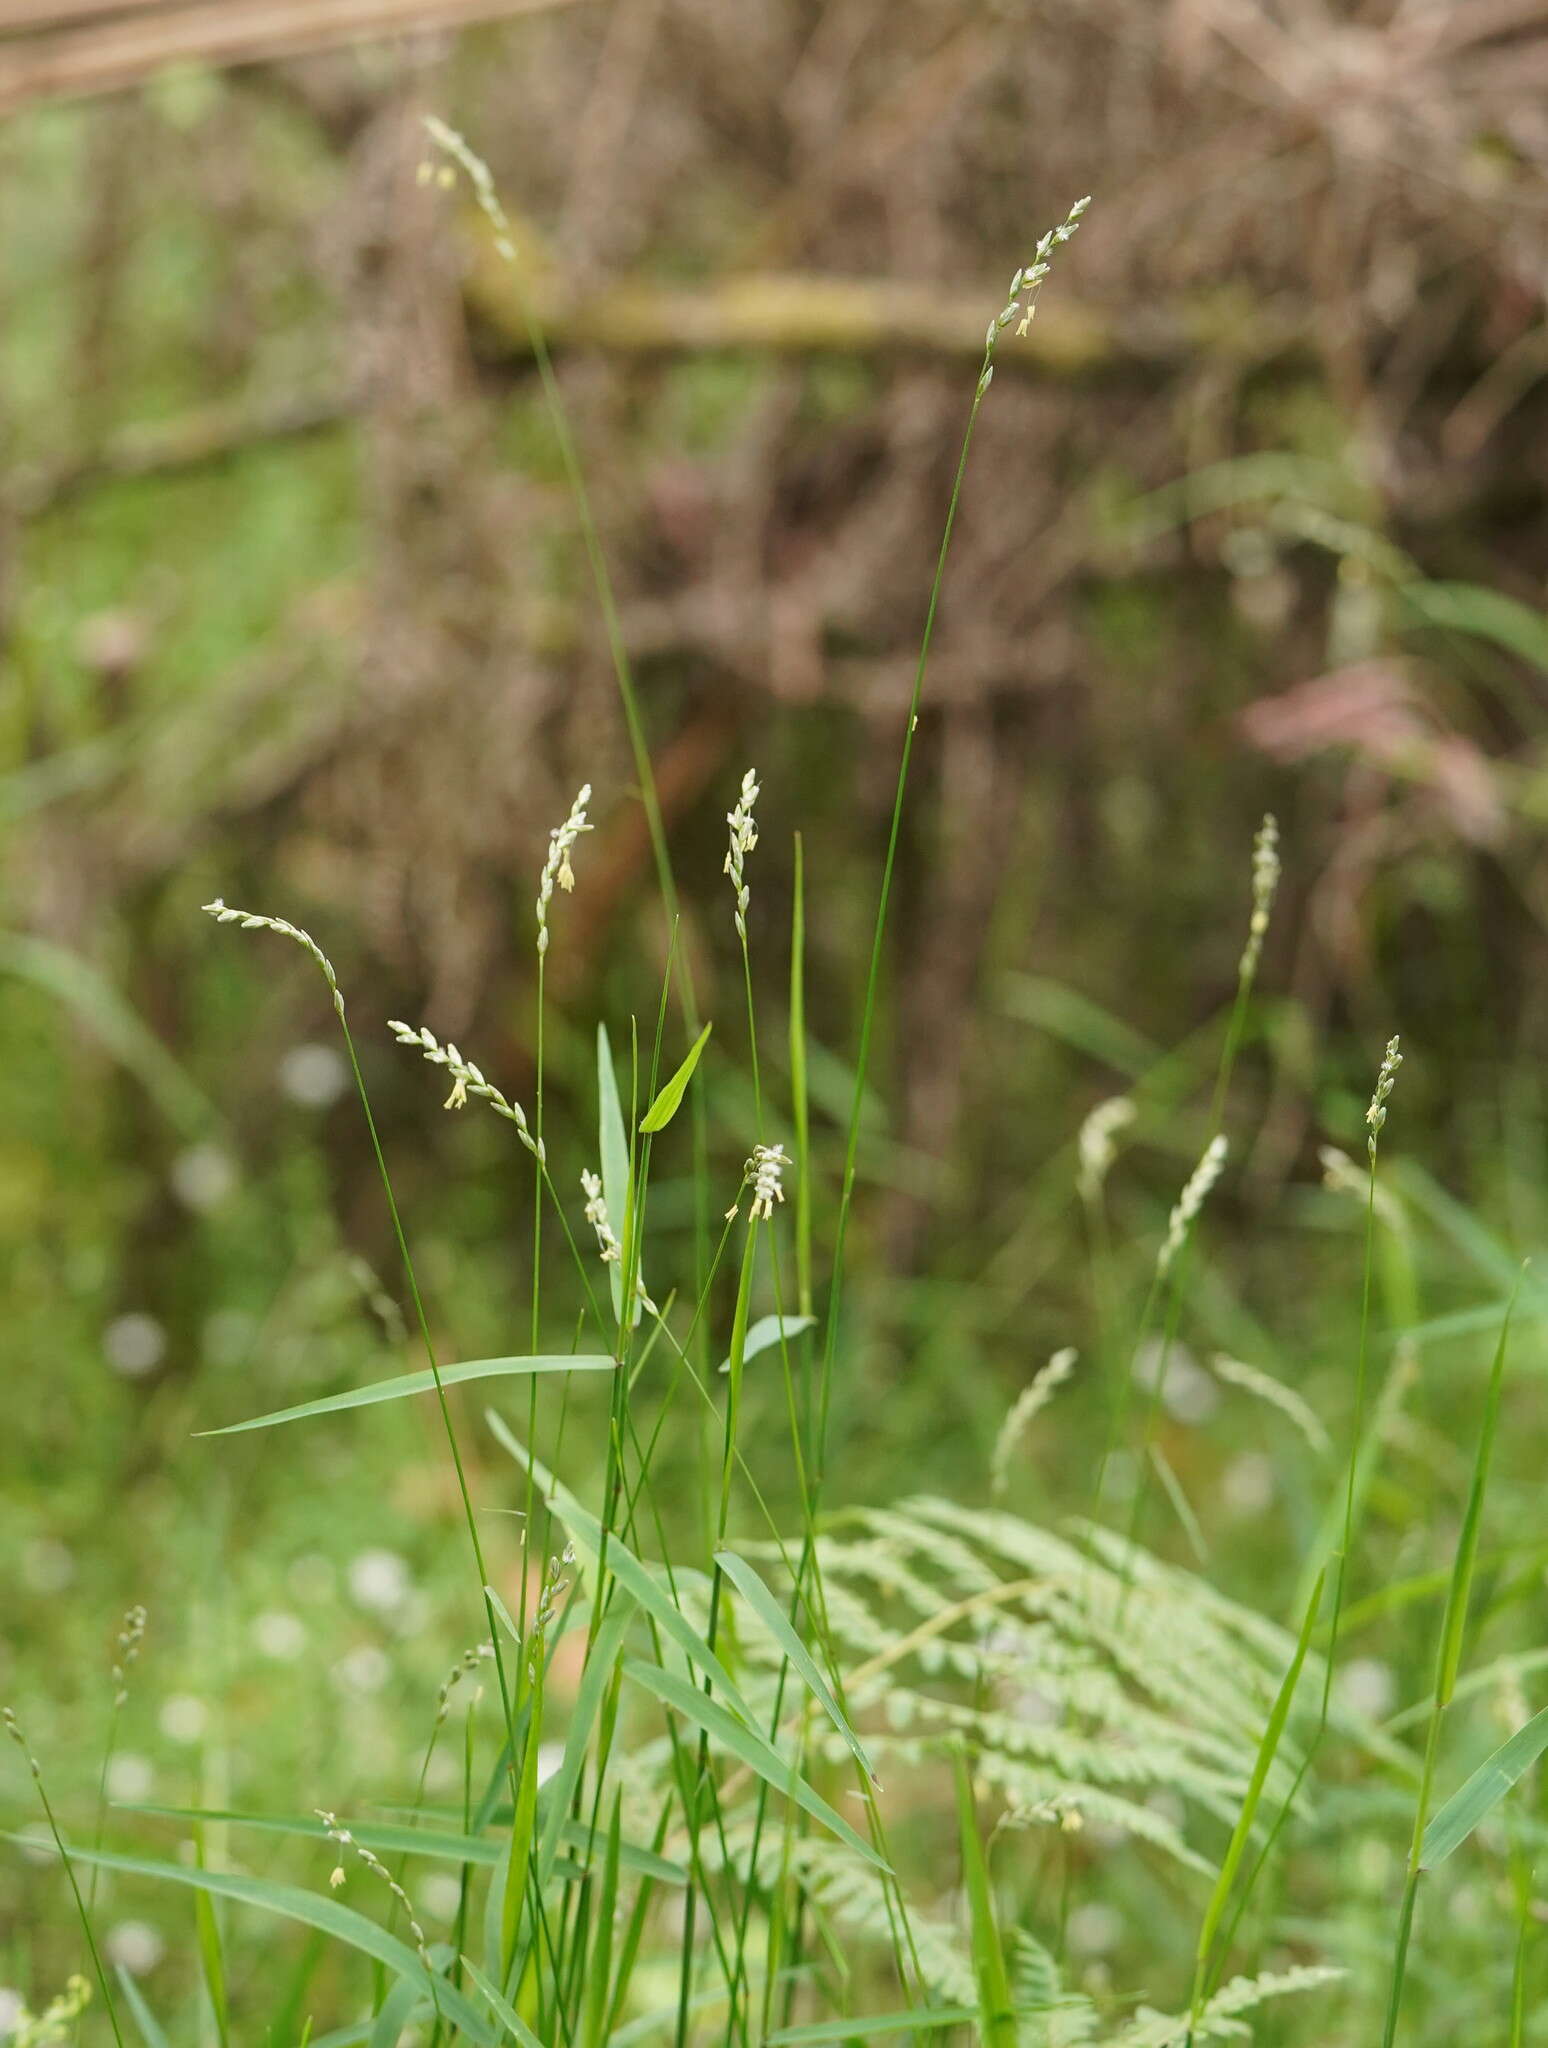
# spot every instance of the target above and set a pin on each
(762, 1760)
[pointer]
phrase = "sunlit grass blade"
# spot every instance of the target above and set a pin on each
(631, 1574)
(748, 1747)
(212, 1960)
(151, 2030)
(1263, 1763)
(599, 1978)
(767, 1332)
(613, 1147)
(410, 1383)
(311, 1909)
(996, 2014)
(772, 1615)
(509, 2018)
(669, 1098)
(1484, 1790)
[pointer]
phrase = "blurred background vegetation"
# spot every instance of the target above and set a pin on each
(294, 608)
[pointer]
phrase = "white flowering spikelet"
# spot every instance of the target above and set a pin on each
(557, 866)
(1021, 301)
(764, 1169)
(1096, 1145)
(253, 921)
(607, 1238)
(1034, 1397)
(337, 1832)
(1265, 881)
(1376, 1115)
(744, 837)
(1192, 1200)
(466, 1080)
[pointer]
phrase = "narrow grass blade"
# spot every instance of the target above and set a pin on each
(768, 1331)
(599, 1974)
(509, 2018)
(669, 1099)
(523, 1831)
(1484, 1790)
(150, 2027)
(996, 2013)
(398, 2009)
(1268, 1749)
(748, 1747)
(1460, 1595)
(613, 1146)
(772, 1615)
(291, 1902)
(922, 2019)
(212, 1960)
(626, 1568)
(595, 1680)
(410, 1383)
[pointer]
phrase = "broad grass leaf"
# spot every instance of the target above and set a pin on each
(150, 2027)
(311, 1909)
(670, 1097)
(1462, 1812)
(1521, 629)
(748, 1747)
(410, 1383)
(613, 1147)
(636, 1579)
(509, 2018)
(768, 1331)
(772, 1615)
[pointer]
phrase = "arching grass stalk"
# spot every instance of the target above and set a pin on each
(556, 870)
(13, 1729)
(488, 199)
(254, 921)
(126, 1655)
(1176, 1250)
(1020, 307)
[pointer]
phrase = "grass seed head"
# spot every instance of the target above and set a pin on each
(1192, 1200)
(254, 921)
(556, 868)
(744, 837)
(1376, 1115)
(764, 1169)
(466, 1080)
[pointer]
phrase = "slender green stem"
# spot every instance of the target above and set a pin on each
(82, 1911)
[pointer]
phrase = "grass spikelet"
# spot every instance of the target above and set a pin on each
(1028, 1405)
(1190, 1202)
(467, 1079)
(255, 921)
(1263, 1386)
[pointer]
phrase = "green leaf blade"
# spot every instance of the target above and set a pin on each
(406, 1385)
(670, 1098)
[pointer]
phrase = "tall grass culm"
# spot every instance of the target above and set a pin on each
(827, 1779)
